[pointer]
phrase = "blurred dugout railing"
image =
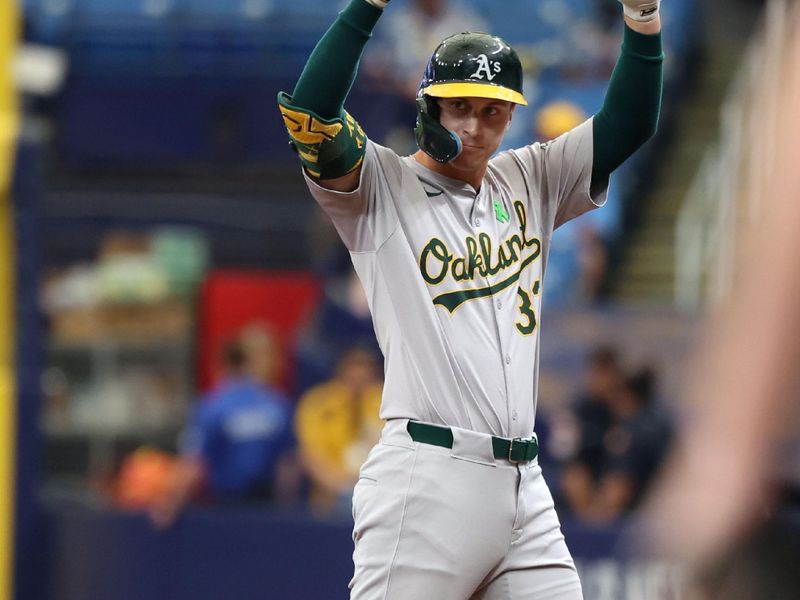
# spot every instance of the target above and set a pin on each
(727, 191)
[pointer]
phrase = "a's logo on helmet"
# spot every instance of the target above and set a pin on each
(486, 69)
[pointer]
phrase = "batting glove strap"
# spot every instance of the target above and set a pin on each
(641, 10)
(378, 3)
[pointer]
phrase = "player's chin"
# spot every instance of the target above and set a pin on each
(471, 158)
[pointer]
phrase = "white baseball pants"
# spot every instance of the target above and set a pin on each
(455, 524)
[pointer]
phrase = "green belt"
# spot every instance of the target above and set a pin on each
(515, 450)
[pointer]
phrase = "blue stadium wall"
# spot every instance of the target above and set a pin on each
(261, 555)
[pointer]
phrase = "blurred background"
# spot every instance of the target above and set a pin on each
(196, 378)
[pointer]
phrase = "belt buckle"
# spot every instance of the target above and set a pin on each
(511, 449)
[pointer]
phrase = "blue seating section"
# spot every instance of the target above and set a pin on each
(522, 21)
(267, 37)
(146, 75)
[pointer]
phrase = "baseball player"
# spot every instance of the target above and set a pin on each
(451, 246)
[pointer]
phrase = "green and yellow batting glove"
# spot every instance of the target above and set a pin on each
(328, 148)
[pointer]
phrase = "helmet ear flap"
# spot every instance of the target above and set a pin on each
(438, 142)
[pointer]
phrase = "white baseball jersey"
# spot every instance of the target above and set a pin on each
(454, 277)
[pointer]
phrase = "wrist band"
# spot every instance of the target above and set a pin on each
(642, 13)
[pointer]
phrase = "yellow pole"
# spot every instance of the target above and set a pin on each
(9, 126)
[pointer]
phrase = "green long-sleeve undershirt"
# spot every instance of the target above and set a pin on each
(329, 73)
(631, 108)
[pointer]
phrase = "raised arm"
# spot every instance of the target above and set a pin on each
(629, 116)
(329, 142)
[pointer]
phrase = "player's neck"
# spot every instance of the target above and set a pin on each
(473, 177)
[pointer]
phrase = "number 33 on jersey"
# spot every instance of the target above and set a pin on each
(485, 261)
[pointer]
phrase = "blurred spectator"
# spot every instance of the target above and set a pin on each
(238, 441)
(341, 322)
(407, 37)
(608, 14)
(329, 257)
(633, 447)
(593, 256)
(265, 362)
(337, 424)
(557, 118)
(580, 436)
(404, 41)
(591, 250)
(143, 478)
(608, 41)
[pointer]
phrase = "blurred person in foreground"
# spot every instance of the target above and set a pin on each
(633, 445)
(728, 506)
(337, 424)
(237, 447)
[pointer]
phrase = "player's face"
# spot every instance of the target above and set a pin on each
(481, 124)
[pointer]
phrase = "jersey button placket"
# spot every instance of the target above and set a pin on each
(478, 208)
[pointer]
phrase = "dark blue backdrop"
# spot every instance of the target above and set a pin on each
(257, 554)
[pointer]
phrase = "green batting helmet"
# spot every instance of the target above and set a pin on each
(470, 64)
